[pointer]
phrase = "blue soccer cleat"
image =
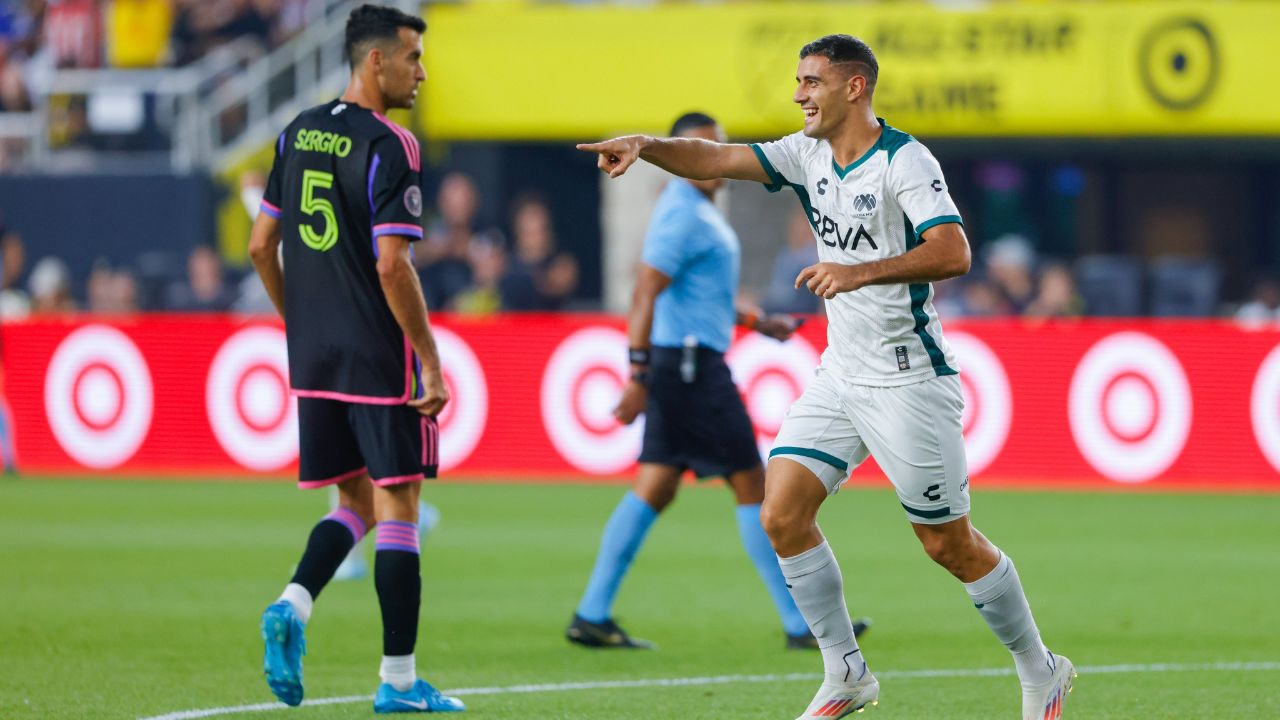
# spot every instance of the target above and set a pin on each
(285, 646)
(421, 698)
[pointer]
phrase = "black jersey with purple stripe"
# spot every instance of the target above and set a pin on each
(344, 176)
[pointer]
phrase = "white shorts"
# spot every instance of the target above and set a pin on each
(914, 432)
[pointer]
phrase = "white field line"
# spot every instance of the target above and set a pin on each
(726, 680)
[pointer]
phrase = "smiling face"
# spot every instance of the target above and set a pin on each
(826, 93)
(399, 69)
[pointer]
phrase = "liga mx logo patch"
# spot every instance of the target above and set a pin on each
(864, 205)
(413, 200)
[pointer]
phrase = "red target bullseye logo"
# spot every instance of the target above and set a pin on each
(580, 387)
(463, 420)
(771, 375)
(98, 396)
(1130, 407)
(250, 410)
(1264, 408)
(988, 402)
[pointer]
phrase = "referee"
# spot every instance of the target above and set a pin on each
(680, 325)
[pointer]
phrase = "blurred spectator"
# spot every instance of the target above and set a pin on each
(979, 297)
(13, 93)
(799, 253)
(488, 261)
(124, 292)
(1263, 305)
(202, 25)
(444, 257)
(1056, 296)
(204, 289)
(1009, 263)
(14, 303)
(138, 32)
(99, 288)
(50, 285)
(73, 33)
(537, 277)
(17, 22)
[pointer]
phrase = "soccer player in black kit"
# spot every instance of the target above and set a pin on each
(345, 200)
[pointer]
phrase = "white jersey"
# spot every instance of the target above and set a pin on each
(881, 335)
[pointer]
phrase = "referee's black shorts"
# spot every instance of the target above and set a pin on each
(700, 425)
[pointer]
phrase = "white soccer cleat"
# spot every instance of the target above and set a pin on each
(836, 700)
(1044, 702)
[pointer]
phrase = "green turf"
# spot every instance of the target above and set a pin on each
(128, 599)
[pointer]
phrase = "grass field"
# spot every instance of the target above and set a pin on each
(136, 599)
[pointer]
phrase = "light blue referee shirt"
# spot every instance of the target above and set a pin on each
(690, 242)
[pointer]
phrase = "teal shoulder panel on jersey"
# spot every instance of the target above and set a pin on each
(776, 181)
(893, 140)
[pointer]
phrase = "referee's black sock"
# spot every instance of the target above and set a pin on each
(399, 583)
(331, 539)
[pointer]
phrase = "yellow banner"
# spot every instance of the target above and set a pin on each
(533, 71)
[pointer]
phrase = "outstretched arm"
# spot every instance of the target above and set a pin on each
(691, 158)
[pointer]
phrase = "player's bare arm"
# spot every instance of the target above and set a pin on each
(404, 296)
(692, 158)
(944, 253)
(264, 246)
(778, 326)
(650, 283)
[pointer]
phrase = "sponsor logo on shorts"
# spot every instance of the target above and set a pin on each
(931, 493)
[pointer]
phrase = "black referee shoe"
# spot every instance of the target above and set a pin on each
(807, 641)
(605, 634)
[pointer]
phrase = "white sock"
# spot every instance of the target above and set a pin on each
(818, 589)
(300, 599)
(399, 671)
(999, 599)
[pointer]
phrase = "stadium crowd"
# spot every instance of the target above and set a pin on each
(463, 266)
(469, 268)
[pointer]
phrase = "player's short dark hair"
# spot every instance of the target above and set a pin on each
(371, 24)
(690, 121)
(846, 50)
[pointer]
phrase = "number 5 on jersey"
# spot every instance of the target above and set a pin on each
(311, 180)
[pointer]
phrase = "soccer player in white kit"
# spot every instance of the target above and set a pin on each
(886, 228)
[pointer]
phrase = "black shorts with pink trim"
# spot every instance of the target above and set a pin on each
(340, 440)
